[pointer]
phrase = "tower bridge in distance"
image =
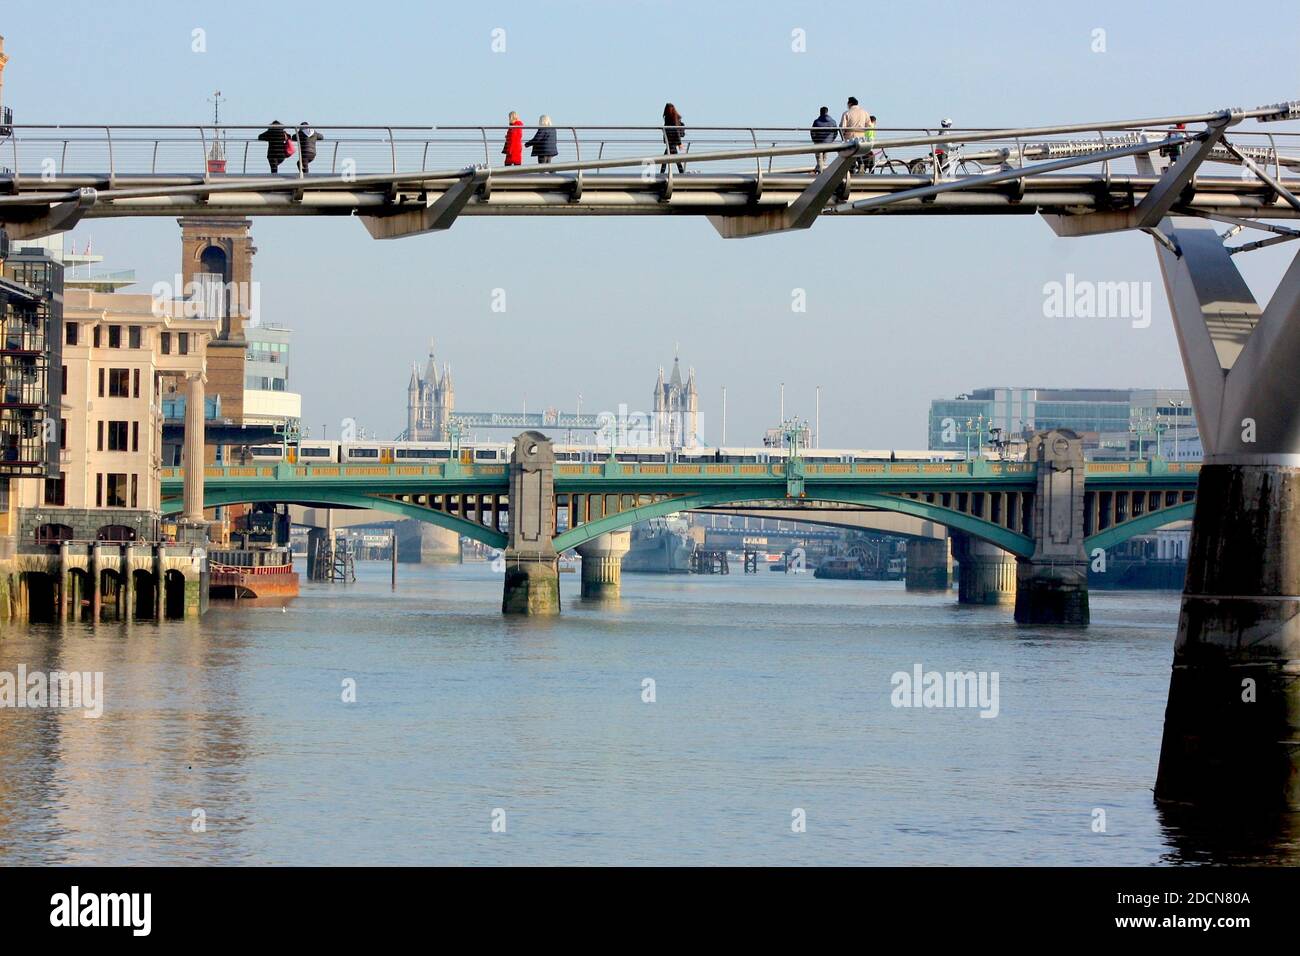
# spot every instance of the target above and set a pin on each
(1240, 619)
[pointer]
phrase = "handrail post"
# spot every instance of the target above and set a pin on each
(487, 158)
(334, 159)
(112, 170)
(203, 150)
(392, 148)
(1105, 163)
(577, 152)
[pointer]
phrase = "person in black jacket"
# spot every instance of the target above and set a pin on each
(674, 133)
(543, 142)
(277, 145)
(823, 130)
(307, 139)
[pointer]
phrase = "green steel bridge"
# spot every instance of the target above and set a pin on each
(989, 500)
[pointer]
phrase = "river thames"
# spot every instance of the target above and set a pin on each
(772, 737)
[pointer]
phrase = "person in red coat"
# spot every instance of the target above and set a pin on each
(513, 150)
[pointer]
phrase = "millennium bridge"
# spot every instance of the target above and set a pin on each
(1232, 726)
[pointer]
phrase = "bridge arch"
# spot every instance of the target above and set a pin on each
(352, 499)
(1119, 533)
(1018, 544)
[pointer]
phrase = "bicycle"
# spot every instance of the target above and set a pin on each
(883, 165)
(950, 162)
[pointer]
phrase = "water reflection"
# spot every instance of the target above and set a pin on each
(1226, 837)
(770, 695)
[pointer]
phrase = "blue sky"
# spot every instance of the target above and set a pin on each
(898, 311)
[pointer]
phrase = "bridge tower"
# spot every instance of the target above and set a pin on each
(532, 578)
(215, 250)
(1052, 584)
(1232, 723)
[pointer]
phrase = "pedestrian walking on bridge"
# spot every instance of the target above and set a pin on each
(277, 145)
(543, 141)
(822, 131)
(853, 125)
(674, 133)
(513, 150)
(307, 139)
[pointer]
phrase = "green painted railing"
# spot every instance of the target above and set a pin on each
(596, 473)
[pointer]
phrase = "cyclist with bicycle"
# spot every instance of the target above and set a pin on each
(942, 151)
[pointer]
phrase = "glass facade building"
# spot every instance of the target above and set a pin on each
(1115, 424)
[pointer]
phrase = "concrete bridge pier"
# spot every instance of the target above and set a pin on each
(602, 565)
(1052, 584)
(532, 578)
(929, 564)
(985, 573)
(1232, 723)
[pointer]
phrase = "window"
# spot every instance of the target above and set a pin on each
(96, 336)
(119, 383)
(117, 436)
(53, 534)
(63, 434)
(133, 337)
(99, 490)
(115, 491)
(71, 333)
(166, 343)
(63, 380)
(115, 336)
(135, 383)
(135, 436)
(54, 491)
(99, 427)
(101, 383)
(135, 490)
(183, 343)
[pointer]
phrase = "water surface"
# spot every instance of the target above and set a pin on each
(773, 694)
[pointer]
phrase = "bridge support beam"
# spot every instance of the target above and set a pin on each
(929, 564)
(985, 573)
(1052, 585)
(192, 450)
(602, 564)
(1232, 723)
(532, 578)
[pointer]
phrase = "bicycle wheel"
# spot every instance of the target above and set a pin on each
(965, 168)
(919, 167)
(892, 167)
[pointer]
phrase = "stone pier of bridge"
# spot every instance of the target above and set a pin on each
(929, 564)
(602, 564)
(1052, 583)
(532, 572)
(985, 573)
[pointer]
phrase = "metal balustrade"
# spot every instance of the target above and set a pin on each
(99, 154)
